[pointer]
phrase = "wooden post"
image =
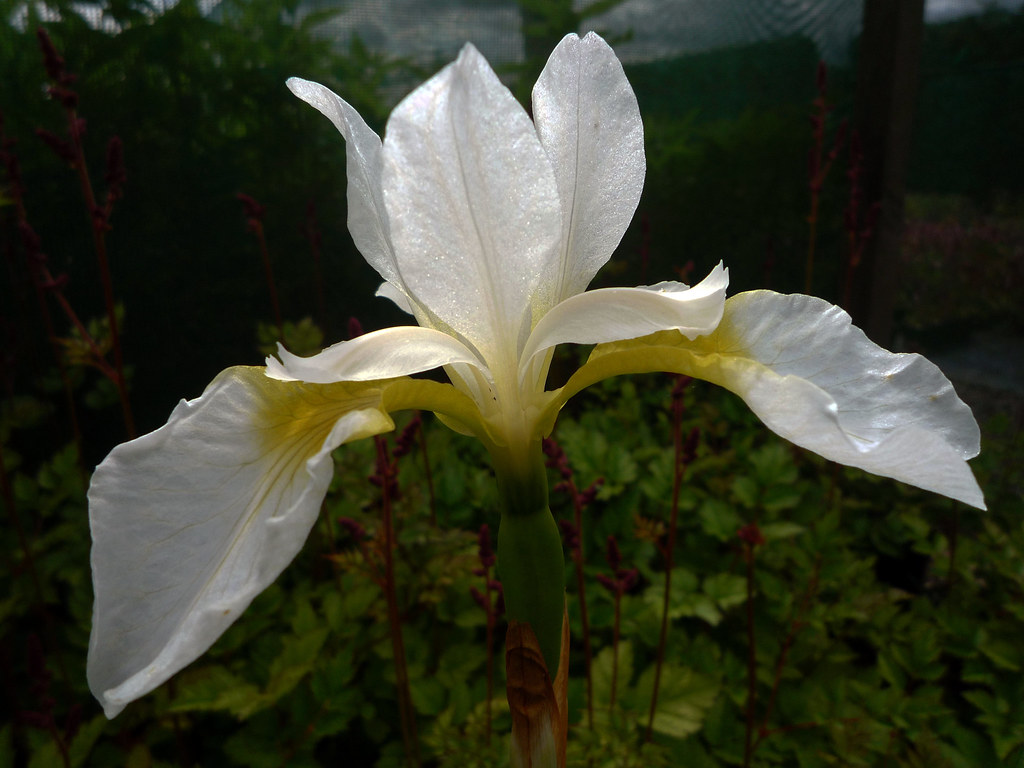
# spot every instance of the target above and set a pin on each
(890, 52)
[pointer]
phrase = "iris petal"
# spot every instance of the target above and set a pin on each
(384, 354)
(189, 523)
(614, 314)
(589, 124)
(479, 211)
(818, 381)
(367, 218)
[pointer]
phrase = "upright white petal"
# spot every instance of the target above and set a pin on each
(189, 523)
(384, 354)
(367, 219)
(589, 123)
(472, 203)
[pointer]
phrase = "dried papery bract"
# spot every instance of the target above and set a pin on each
(539, 706)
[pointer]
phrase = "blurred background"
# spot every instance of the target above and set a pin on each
(868, 152)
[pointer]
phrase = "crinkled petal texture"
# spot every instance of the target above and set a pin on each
(818, 381)
(189, 523)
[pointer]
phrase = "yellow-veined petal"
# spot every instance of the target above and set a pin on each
(190, 522)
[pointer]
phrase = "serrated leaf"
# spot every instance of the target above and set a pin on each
(81, 746)
(726, 589)
(212, 689)
(746, 491)
(684, 698)
(428, 695)
(601, 672)
(783, 530)
(719, 519)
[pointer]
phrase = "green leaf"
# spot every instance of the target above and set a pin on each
(601, 672)
(212, 689)
(783, 530)
(719, 519)
(746, 491)
(428, 695)
(684, 698)
(6, 748)
(726, 589)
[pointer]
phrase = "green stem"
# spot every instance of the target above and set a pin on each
(530, 560)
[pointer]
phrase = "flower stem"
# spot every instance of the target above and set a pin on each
(405, 708)
(530, 560)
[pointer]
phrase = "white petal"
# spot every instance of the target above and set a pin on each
(614, 314)
(384, 354)
(472, 202)
(876, 392)
(189, 523)
(589, 123)
(818, 381)
(367, 219)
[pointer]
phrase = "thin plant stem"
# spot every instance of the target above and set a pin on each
(678, 465)
(615, 650)
(429, 475)
(98, 216)
(268, 272)
(405, 708)
(558, 460)
(748, 746)
(16, 191)
(752, 538)
(581, 589)
(794, 628)
(818, 168)
(311, 230)
(254, 213)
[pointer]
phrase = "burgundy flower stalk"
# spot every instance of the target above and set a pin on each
(819, 164)
(493, 608)
(685, 451)
(572, 536)
(859, 228)
(254, 214)
(71, 151)
(752, 538)
(43, 716)
(385, 477)
(619, 583)
(405, 444)
(311, 231)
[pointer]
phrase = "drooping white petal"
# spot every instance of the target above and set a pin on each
(472, 203)
(589, 123)
(818, 381)
(367, 219)
(384, 354)
(189, 523)
(614, 314)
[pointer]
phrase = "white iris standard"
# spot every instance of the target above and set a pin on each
(486, 227)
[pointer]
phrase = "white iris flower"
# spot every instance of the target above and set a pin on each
(486, 227)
